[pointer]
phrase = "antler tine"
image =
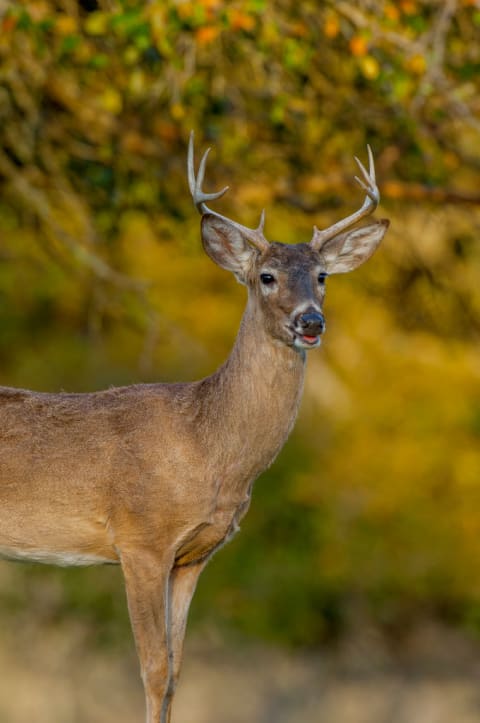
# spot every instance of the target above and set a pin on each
(255, 236)
(372, 199)
(369, 186)
(195, 184)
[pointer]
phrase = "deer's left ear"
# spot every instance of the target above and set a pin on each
(351, 249)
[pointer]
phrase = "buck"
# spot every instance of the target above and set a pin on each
(156, 477)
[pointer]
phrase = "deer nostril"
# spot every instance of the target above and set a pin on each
(311, 322)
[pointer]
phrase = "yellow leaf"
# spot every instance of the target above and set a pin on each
(112, 101)
(177, 111)
(416, 64)
(137, 82)
(66, 24)
(96, 23)
(131, 55)
(370, 67)
(185, 10)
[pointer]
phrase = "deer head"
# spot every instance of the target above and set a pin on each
(287, 281)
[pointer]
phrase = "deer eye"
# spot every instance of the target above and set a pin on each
(322, 277)
(267, 279)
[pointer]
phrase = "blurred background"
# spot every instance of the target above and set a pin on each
(353, 592)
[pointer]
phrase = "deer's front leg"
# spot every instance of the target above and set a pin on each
(146, 581)
(183, 581)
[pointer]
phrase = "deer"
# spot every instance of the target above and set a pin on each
(156, 477)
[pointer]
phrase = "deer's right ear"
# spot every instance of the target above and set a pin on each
(226, 245)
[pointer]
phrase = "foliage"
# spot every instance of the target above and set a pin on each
(102, 278)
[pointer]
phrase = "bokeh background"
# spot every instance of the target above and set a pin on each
(353, 592)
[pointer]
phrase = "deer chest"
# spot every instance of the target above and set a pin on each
(210, 535)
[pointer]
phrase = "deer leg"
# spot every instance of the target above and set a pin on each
(147, 581)
(183, 581)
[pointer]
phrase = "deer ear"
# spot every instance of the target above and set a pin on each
(226, 245)
(348, 250)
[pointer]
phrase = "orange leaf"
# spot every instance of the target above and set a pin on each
(241, 21)
(66, 24)
(331, 27)
(409, 7)
(211, 4)
(391, 12)
(358, 46)
(299, 30)
(207, 34)
(8, 23)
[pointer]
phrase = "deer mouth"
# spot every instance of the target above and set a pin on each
(306, 341)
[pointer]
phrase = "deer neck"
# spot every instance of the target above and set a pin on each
(250, 404)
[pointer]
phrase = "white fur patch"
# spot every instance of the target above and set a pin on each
(64, 559)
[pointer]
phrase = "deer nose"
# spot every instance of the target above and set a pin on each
(311, 323)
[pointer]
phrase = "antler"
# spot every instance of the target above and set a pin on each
(255, 236)
(369, 205)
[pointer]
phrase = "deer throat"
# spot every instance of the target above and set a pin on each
(258, 392)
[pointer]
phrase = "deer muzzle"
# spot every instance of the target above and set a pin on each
(309, 326)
